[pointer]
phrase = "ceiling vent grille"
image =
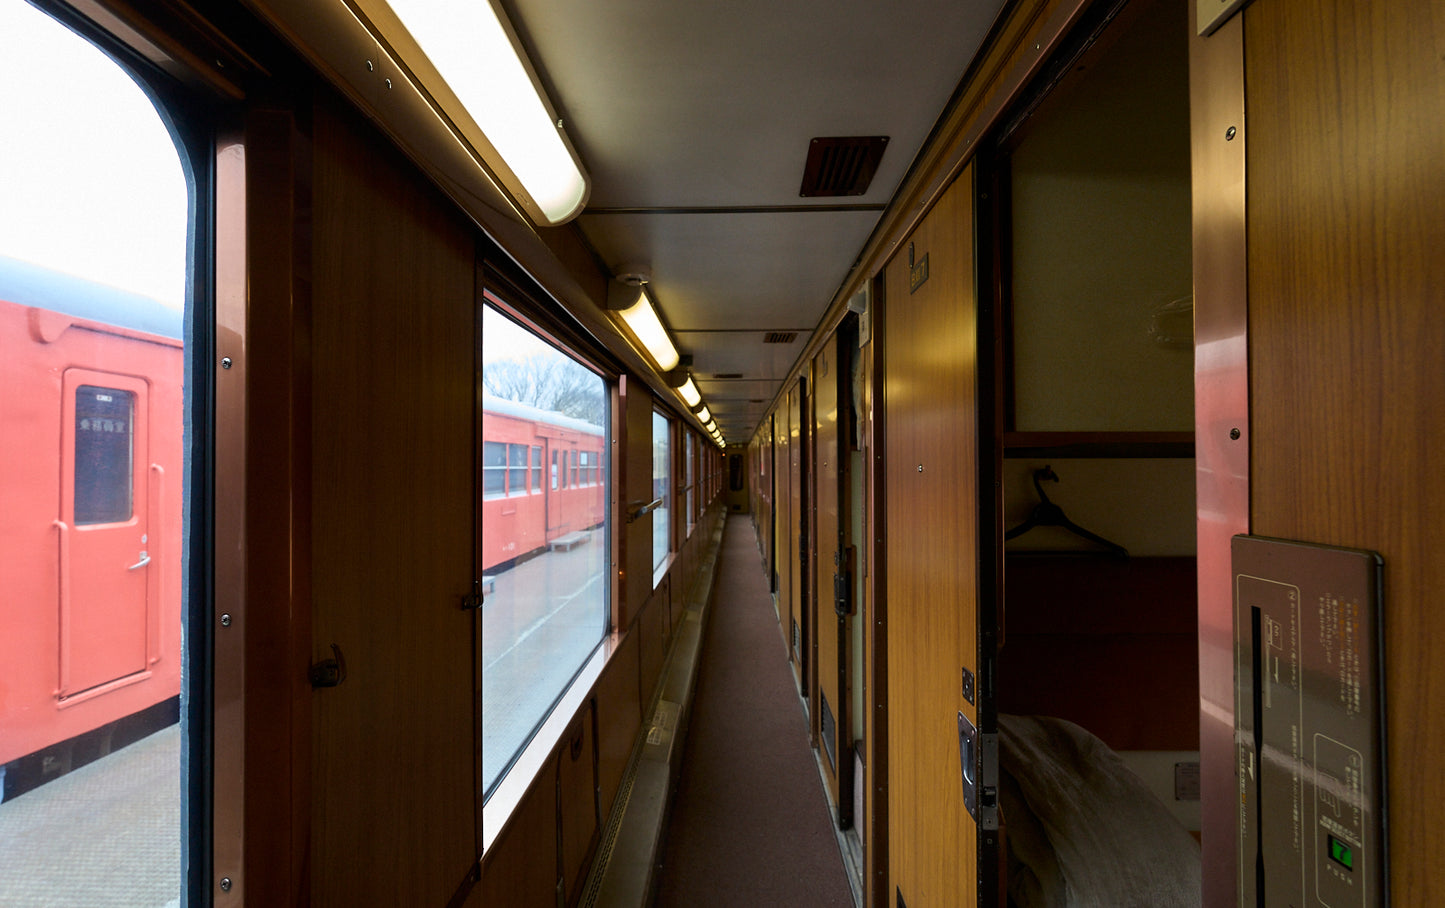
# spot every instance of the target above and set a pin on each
(727, 375)
(841, 165)
(780, 337)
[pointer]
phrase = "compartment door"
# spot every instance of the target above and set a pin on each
(831, 567)
(106, 577)
(798, 636)
(930, 395)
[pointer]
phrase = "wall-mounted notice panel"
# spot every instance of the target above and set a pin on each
(1308, 730)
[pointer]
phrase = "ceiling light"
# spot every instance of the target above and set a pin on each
(690, 394)
(475, 52)
(704, 415)
(637, 309)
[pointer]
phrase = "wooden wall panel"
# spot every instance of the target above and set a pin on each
(577, 805)
(521, 866)
(930, 395)
(652, 646)
(1346, 177)
(785, 535)
(619, 716)
(636, 443)
(394, 760)
(830, 648)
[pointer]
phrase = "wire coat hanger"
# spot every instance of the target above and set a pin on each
(1048, 514)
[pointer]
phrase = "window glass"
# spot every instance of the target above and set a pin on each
(494, 469)
(545, 608)
(94, 459)
(661, 487)
(517, 475)
(104, 454)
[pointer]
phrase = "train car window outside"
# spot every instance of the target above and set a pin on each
(494, 469)
(517, 475)
(104, 455)
(543, 554)
(661, 487)
(94, 257)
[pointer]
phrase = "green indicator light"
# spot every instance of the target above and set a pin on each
(1342, 854)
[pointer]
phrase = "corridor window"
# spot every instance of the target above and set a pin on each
(661, 487)
(545, 608)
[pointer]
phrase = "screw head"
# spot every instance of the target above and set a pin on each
(1234, 434)
(1230, 133)
(225, 362)
(225, 621)
(225, 884)
(920, 468)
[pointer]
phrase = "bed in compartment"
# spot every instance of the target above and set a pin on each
(1098, 669)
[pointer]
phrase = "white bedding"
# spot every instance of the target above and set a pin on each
(1083, 830)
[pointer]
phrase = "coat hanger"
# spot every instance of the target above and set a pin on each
(1048, 514)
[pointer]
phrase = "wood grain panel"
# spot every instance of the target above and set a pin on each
(787, 542)
(824, 620)
(521, 866)
(636, 489)
(798, 506)
(930, 389)
(619, 716)
(652, 645)
(577, 818)
(1346, 177)
(394, 772)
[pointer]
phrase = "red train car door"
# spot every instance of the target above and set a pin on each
(105, 574)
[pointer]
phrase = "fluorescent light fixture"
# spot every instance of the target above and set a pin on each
(640, 314)
(473, 49)
(690, 394)
(704, 415)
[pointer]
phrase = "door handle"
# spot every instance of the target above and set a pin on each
(145, 559)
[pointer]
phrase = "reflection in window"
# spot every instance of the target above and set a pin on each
(546, 610)
(661, 487)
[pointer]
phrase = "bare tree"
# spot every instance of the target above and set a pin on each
(548, 382)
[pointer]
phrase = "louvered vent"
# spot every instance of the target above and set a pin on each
(780, 337)
(727, 375)
(841, 165)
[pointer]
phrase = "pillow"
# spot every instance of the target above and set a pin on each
(1113, 844)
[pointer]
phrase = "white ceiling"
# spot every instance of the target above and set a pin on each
(693, 120)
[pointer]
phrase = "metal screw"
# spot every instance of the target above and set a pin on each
(388, 84)
(1229, 134)
(225, 362)
(1234, 434)
(920, 468)
(225, 884)
(369, 67)
(225, 621)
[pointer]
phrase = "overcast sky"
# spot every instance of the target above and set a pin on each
(90, 181)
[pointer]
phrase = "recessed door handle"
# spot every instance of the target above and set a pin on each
(145, 559)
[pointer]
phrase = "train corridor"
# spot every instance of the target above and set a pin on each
(749, 823)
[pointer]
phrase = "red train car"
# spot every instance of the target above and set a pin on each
(90, 507)
(543, 480)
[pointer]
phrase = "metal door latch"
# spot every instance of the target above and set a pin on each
(328, 672)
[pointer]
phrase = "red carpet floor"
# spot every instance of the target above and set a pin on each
(750, 824)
